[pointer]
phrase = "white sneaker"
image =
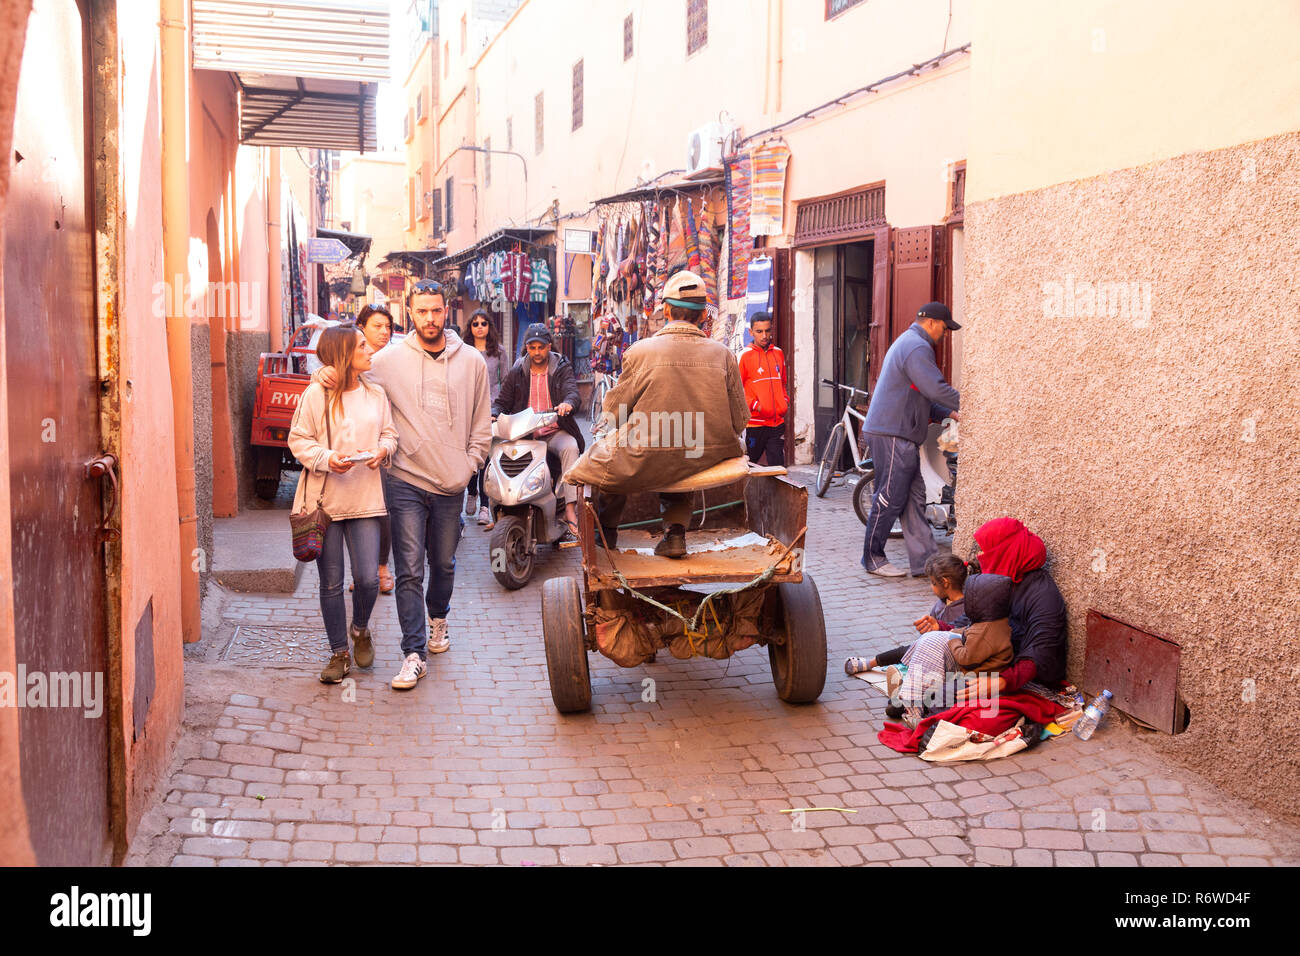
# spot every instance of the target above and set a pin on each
(438, 639)
(412, 670)
(484, 516)
(887, 570)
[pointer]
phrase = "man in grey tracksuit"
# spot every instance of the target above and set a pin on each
(910, 393)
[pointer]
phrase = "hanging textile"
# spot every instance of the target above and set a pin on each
(540, 288)
(708, 242)
(767, 191)
(740, 244)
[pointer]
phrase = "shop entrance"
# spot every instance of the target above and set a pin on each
(842, 308)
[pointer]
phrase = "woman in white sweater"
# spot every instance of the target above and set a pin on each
(333, 432)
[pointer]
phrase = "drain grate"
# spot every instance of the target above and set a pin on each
(276, 645)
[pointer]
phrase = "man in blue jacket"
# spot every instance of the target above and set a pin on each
(910, 393)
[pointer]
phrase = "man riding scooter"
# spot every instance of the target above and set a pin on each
(544, 381)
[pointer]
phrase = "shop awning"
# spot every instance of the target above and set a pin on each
(358, 243)
(307, 72)
(650, 192)
(526, 234)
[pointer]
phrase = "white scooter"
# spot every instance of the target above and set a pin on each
(938, 471)
(524, 504)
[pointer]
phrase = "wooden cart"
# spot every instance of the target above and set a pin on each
(749, 589)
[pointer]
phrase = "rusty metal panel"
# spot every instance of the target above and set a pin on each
(1139, 668)
(54, 430)
(880, 301)
(913, 275)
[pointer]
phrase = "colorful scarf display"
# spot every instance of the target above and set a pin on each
(767, 192)
(740, 244)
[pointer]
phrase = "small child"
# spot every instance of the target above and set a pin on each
(947, 574)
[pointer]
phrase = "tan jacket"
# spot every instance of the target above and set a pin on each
(987, 648)
(678, 408)
(358, 493)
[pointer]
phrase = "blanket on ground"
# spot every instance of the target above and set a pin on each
(979, 718)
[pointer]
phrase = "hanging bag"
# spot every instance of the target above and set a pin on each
(309, 527)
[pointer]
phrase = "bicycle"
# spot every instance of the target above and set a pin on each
(606, 381)
(844, 429)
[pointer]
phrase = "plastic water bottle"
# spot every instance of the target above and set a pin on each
(1092, 715)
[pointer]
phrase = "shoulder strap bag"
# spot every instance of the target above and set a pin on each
(309, 527)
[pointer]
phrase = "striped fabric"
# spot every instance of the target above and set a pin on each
(541, 285)
(740, 242)
(767, 191)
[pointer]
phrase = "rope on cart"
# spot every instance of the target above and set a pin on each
(692, 625)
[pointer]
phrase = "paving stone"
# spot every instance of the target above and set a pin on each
(696, 777)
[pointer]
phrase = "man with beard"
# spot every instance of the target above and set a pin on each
(438, 390)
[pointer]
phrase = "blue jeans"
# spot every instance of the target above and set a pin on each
(362, 537)
(899, 494)
(422, 524)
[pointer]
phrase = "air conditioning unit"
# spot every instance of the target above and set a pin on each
(704, 150)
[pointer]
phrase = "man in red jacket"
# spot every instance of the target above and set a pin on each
(762, 371)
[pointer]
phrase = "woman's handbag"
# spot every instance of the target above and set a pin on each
(309, 527)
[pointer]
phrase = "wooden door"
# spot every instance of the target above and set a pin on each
(53, 395)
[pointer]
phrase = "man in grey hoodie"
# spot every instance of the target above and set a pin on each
(910, 392)
(438, 390)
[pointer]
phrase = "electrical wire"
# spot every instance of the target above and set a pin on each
(840, 100)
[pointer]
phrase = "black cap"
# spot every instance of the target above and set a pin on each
(937, 310)
(537, 332)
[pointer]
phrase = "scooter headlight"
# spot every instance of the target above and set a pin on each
(535, 480)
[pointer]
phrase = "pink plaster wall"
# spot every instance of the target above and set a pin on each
(1154, 451)
(150, 529)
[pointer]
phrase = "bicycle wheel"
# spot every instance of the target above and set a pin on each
(862, 494)
(830, 458)
(597, 400)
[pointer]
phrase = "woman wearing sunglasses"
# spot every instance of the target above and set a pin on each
(376, 324)
(482, 334)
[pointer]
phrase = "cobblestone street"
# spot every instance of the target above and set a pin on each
(474, 766)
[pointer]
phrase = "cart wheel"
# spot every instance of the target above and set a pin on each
(512, 563)
(799, 665)
(566, 649)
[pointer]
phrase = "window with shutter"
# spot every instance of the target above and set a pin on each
(697, 25)
(627, 38)
(447, 192)
(437, 212)
(835, 7)
(577, 95)
(537, 123)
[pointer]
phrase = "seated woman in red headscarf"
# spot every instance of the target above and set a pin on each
(1038, 621)
(1038, 629)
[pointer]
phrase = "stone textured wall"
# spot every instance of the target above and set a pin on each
(243, 349)
(1154, 449)
(201, 363)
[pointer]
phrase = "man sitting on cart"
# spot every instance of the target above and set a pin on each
(678, 409)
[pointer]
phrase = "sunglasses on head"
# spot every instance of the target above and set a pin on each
(426, 287)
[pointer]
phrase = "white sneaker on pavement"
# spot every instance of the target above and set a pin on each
(484, 516)
(412, 670)
(438, 639)
(887, 570)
